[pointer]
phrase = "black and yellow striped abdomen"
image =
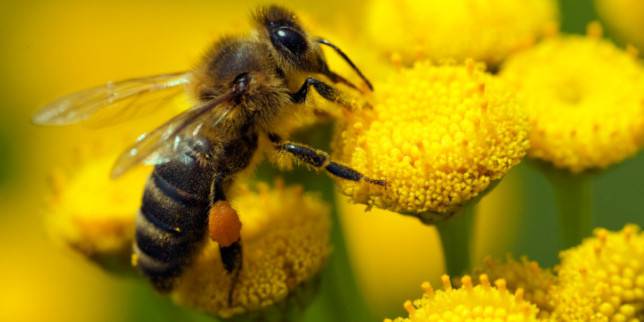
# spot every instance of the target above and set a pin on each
(172, 221)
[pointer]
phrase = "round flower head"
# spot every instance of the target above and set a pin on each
(438, 135)
(285, 235)
(94, 214)
(524, 274)
(625, 17)
(438, 29)
(585, 99)
(602, 279)
(482, 302)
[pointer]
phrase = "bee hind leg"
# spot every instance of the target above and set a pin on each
(231, 257)
(224, 228)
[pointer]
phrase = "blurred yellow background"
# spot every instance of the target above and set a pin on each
(51, 48)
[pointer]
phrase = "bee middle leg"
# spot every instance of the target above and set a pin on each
(320, 160)
(225, 229)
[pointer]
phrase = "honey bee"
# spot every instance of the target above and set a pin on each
(244, 86)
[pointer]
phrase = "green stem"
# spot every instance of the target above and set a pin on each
(341, 293)
(340, 298)
(456, 238)
(573, 194)
(144, 304)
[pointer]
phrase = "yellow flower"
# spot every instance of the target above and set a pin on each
(602, 279)
(286, 242)
(439, 135)
(625, 17)
(524, 274)
(285, 234)
(483, 30)
(585, 100)
(482, 302)
(94, 214)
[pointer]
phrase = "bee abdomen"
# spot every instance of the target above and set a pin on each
(172, 221)
(159, 244)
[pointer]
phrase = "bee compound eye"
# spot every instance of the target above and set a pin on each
(290, 39)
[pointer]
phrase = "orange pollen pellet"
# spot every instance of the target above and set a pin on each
(224, 225)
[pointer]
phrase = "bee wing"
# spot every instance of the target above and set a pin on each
(82, 105)
(170, 139)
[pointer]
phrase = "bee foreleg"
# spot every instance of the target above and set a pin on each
(325, 90)
(320, 160)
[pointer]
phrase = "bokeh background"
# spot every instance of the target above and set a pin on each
(50, 48)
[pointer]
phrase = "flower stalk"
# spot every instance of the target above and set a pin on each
(339, 298)
(456, 239)
(342, 295)
(573, 196)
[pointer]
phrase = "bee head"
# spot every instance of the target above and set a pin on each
(294, 48)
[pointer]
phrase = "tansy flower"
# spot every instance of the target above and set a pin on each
(285, 234)
(286, 242)
(438, 135)
(585, 100)
(625, 17)
(523, 274)
(483, 30)
(482, 302)
(93, 214)
(602, 279)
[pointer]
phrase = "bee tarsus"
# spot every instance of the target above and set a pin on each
(232, 257)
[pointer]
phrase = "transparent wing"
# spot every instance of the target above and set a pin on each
(82, 105)
(171, 139)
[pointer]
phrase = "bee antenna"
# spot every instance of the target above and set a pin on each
(337, 78)
(348, 60)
